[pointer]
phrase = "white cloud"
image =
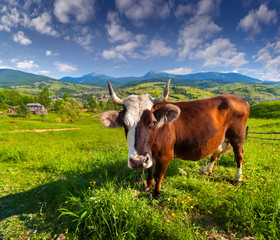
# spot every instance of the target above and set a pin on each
(64, 67)
(10, 18)
(42, 24)
(221, 53)
(44, 72)
(84, 37)
(139, 10)
(179, 71)
(79, 10)
(48, 53)
(194, 33)
(183, 9)
(27, 64)
(208, 7)
(158, 48)
(85, 41)
(122, 51)
(269, 55)
(198, 28)
(115, 31)
(251, 23)
(270, 58)
(113, 54)
(13, 60)
(20, 38)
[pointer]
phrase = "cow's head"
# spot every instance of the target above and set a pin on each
(139, 119)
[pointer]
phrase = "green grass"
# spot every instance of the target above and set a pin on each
(77, 183)
(266, 110)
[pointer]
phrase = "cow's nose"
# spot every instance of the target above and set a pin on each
(135, 162)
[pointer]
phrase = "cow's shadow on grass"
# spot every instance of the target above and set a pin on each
(46, 200)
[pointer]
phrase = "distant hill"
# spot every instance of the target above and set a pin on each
(31, 83)
(100, 80)
(9, 78)
(267, 110)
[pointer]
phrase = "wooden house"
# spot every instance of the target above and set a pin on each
(37, 108)
(12, 110)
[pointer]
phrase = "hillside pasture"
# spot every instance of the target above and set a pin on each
(77, 183)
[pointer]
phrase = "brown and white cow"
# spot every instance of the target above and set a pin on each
(159, 130)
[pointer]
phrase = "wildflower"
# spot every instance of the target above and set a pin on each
(191, 207)
(93, 182)
(183, 202)
(167, 220)
(90, 182)
(88, 187)
(173, 214)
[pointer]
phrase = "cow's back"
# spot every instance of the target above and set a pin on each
(202, 126)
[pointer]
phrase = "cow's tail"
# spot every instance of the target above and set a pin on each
(247, 131)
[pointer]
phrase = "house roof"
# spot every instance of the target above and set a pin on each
(34, 105)
(13, 107)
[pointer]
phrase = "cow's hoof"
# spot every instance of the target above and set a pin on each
(238, 177)
(147, 189)
(205, 173)
(155, 195)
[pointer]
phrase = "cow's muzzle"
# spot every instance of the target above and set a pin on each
(140, 161)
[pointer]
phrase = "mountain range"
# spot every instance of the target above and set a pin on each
(10, 78)
(101, 80)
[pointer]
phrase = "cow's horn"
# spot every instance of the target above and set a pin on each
(114, 96)
(163, 97)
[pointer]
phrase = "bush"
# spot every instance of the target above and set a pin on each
(70, 110)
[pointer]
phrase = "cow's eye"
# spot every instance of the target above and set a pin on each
(153, 124)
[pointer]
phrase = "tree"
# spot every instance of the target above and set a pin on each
(57, 104)
(66, 96)
(44, 98)
(70, 110)
(22, 109)
(101, 105)
(92, 103)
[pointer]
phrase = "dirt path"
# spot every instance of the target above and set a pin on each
(44, 130)
(95, 115)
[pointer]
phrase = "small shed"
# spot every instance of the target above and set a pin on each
(12, 110)
(37, 108)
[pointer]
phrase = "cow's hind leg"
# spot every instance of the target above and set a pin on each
(236, 140)
(238, 152)
(223, 148)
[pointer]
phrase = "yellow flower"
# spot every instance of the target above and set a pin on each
(88, 187)
(191, 207)
(90, 182)
(93, 182)
(167, 220)
(183, 202)
(173, 214)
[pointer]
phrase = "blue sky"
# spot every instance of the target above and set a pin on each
(60, 38)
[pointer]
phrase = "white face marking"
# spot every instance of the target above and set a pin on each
(135, 106)
(130, 144)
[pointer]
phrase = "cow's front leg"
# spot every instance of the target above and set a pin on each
(150, 179)
(161, 167)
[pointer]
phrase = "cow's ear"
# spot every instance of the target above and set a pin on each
(166, 114)
(111, 119)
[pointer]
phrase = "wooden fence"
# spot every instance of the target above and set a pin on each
(271, 133)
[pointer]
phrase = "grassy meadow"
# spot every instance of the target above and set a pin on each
(76, 184)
